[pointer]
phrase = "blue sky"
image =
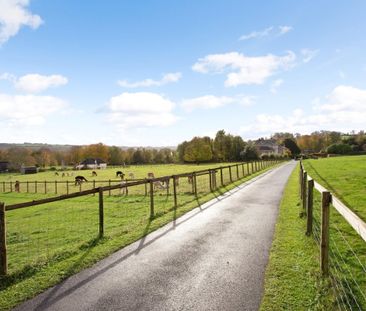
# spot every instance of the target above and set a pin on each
(156, 73)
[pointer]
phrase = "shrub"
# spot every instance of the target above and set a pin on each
(339, 149)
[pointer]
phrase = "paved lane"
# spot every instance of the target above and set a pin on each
(212, 258)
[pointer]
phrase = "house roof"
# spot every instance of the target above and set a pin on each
(89, 161)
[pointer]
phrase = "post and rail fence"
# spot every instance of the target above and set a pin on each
(349, 294)
(148, 190)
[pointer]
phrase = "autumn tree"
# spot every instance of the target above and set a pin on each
(198, 150)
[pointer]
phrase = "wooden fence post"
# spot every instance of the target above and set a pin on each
(237, 171)
(152, 199)
(55, 186)
(214, 179)
(300, 180)
(27, 186)
(231, 176)
(210, 179)
(101, 213)
(146, 189)
(309, 208)
(304, 186)
(252, 170)
(221, 177)
(94, 186)
(11, 186)
(175, 192)
(324, 246)
(67, 187)
(242, 170)
(35, 186)
(3, 186)
(45, 186)
(3, 254)
(195, 184)
(109, 190)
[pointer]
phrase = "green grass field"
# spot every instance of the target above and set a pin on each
(49, 183)
(49, 242)
(345, 177)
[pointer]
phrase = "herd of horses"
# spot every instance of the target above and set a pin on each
(158, 184)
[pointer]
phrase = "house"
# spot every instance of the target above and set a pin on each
(29, 170)
(4, 166)
(92, 163)
(269, 146)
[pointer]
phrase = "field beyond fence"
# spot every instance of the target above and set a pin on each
(39, 232)
(341, 236)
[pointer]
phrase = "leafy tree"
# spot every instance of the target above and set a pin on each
(115, 156)
(96, 151)
(249, 153)
(198, 150)
(292, 146)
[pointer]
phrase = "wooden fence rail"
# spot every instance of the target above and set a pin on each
(307, 184)
(149, 183)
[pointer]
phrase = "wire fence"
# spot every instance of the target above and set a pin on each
(340, 235)
(36, 233)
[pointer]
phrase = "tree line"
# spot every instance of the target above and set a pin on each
(113, 155)
(224, 147)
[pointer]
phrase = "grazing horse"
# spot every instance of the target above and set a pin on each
(150, 175)
(131, 175)
(120, 174)
(79, 179)
(94, 173)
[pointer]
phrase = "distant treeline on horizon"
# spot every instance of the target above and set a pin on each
(223, 148)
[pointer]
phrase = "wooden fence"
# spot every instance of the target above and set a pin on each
(216, 176)
(328, 200)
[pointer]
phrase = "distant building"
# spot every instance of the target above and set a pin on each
(4, 166)
(29, 170)
(269, 146)
(92, 163)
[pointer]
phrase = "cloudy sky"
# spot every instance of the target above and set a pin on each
(159, 72)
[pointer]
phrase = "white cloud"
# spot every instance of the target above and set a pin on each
(167, 78)
(35, 83)
(244, 69)
(308, 54)
(212, 102)
(13, 15)
(284, 29)
(8, 77)
(19, 110)
(257, 34)
(141, 109)
(275, 85)
(279, 31)
(344, 109)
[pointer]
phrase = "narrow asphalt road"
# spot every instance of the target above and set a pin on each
(212, 258)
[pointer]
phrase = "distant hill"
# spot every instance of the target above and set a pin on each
(56, 147)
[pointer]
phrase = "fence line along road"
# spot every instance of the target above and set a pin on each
(341, 263)
(228, 174)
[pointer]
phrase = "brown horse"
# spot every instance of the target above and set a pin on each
(79, 180)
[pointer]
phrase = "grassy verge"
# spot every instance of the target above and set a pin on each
(293, 280)
(126, 221)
